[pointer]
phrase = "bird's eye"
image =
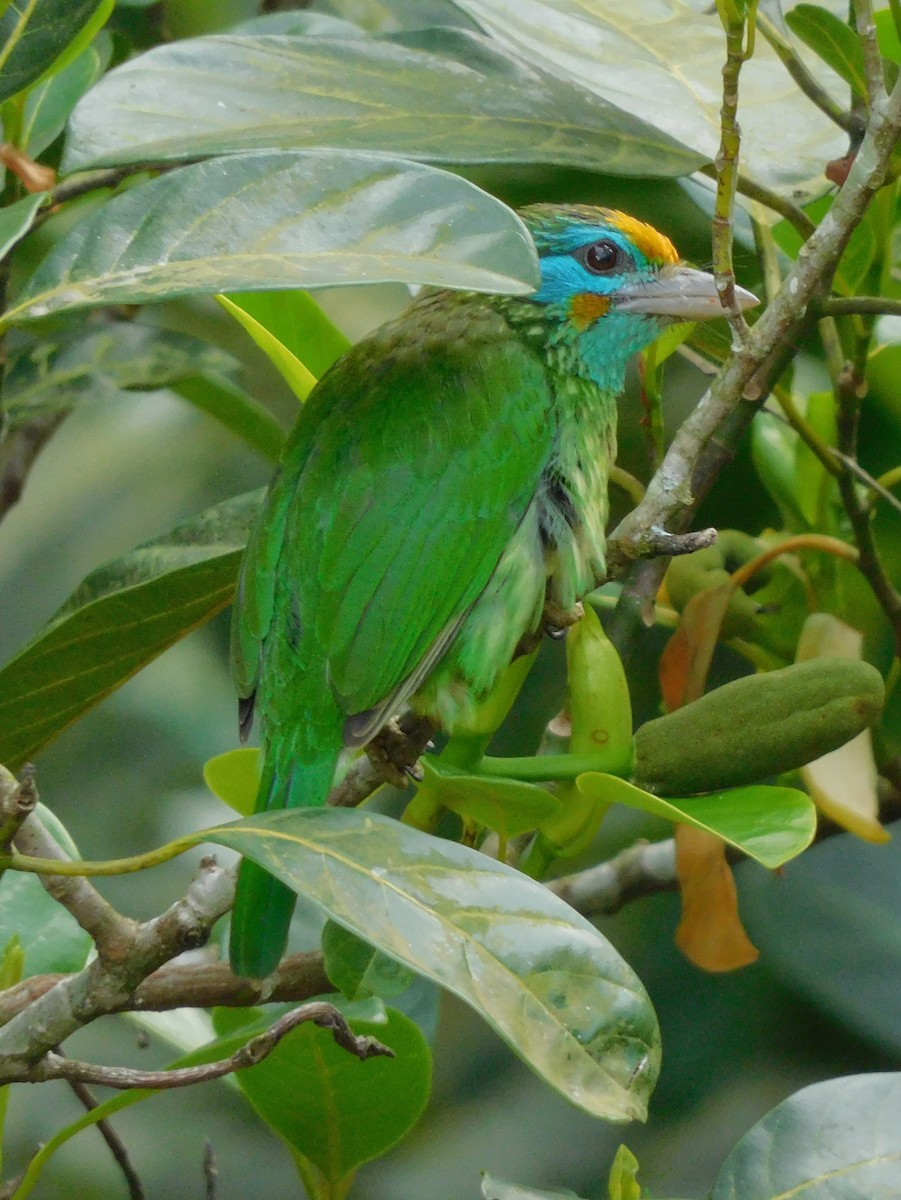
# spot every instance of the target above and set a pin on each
(601, 257)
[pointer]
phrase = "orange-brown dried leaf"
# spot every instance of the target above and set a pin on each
(686, 658)
(710, 933)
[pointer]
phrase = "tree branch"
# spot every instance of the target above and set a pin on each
(396, 754)
(17, 802)
(326, 1016)
(840, 306)
(111, 933)
(709, 438)
(193, 985)
(812, 89)
(117, 1147)
(107, 984)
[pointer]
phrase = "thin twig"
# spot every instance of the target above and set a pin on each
(326, 1016)
(851, 387)
(739, 26)
(118, 1149)
(814, 91)
(210, 1172)
(92, 181)
(795, 216)
(875, 306)
(865, 477)
(865, 20)
(111, 932)
(18, 799)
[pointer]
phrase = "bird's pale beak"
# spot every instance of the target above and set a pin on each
(680, 292)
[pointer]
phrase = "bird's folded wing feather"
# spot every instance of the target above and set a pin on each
(405, 480)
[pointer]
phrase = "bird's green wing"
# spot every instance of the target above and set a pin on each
(406, 478)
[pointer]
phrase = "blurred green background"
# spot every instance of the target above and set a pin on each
(822, 1001)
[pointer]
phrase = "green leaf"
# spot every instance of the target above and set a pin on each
(12, 966)
(832, 40)
(235, 778)
(442, 95)
(623, 1182)
(120, 618)
(889, 35)
(49, 104)
(663, 63)
(358, 970)
(774, 451)
(829, 931)
(297, 24)
(48, 933)
(299, 324)
(813, 486)
(232, 407)
(830, 1141)
(542, 975)
(498, 1189)
(16, 219)
(38, 37)
(97, 365)
(299, 379)
(273, 219)
(504, 805)
(769, 824)
(334, 1110)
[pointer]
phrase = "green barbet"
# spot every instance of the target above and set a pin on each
(446, 480)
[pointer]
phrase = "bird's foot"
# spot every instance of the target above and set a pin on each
(394, 752)
(557, 620)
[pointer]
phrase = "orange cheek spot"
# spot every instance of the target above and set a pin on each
(586, 307)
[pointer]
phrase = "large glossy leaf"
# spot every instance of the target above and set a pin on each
(280, 220)
(333, 1110)
(837, 1140)
(49, 104)
(829, 929)
(97, 364)
(442, 95)
(122, 616)
(770, 824)
(544, 977)
(48, 933)
(33, 33)
(661, 60)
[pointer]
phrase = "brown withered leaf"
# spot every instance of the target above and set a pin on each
(710, 933)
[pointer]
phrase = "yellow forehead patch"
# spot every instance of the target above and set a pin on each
(649, 241)
(586, 307)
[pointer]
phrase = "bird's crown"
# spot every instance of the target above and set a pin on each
(567, 228)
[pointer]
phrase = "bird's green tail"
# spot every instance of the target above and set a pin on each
(264, 905)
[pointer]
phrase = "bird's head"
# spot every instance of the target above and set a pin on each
(610, 283)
